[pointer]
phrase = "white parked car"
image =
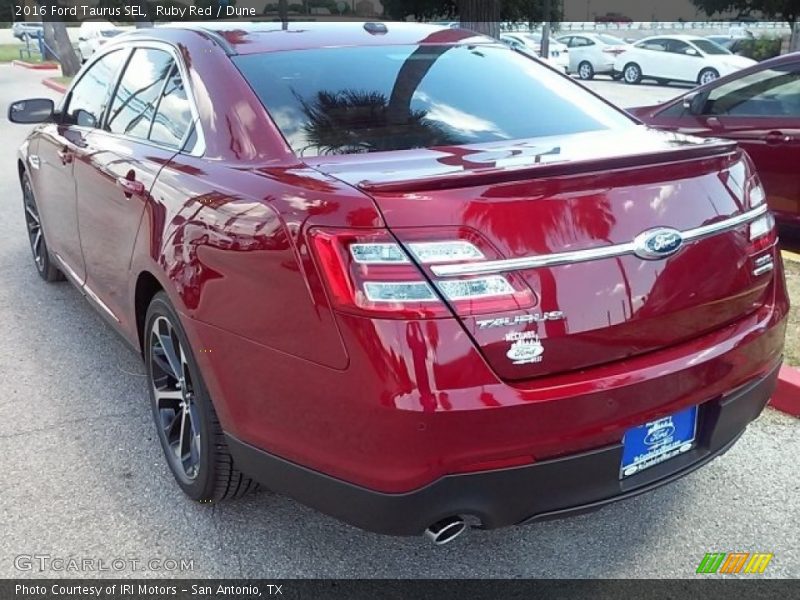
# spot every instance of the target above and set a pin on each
(591, 54)
(677, 58)
(92, 35)
(532, 42)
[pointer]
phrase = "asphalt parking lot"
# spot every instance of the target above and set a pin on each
(83, 476)
(628, 96)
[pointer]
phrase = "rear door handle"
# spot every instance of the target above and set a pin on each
(130, 186)
(778, 137)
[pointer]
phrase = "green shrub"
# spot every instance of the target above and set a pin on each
(759, 48)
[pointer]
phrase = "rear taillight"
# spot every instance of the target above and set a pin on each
(761, 232)
(369, 273)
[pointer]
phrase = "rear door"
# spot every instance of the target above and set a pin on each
(761, 111)
(581, 49)
(63, 148)
(652, 57)
(147, 123)
(682, 65)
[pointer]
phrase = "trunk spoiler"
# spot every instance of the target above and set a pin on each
(713, 148)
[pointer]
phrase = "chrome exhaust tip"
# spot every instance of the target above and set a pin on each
(445, 531)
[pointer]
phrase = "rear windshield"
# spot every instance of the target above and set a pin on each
(372, 99)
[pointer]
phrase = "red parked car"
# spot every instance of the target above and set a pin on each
(758, 107)
(363, 272)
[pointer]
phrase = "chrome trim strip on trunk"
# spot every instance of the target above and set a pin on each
(563, 258)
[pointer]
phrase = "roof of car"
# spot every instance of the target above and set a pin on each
(252, 38)
(674, 36)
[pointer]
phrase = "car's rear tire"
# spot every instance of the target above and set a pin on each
(45, 265)
(586, 70)
(186, 423)
(707, 76)
(632, 74)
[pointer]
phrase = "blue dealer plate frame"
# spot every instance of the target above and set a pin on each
(654, 442)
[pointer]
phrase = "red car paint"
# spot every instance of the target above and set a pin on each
(393, 402)
(771, 140)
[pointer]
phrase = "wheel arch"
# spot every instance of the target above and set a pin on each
(147, 286)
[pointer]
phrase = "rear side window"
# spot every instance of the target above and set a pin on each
(138, 92)
(657, 45)
(173, 116)
(89, 97)
(404, 97)
(768, 93)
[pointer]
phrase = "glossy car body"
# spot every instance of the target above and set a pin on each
(396, 415)
(558, 55)
(597, 50)
(27, 29)
(677, 58)
(762, 115)
(92, 35)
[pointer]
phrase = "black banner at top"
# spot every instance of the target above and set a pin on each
(613, 12)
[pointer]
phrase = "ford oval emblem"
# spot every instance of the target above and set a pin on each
(657, 243)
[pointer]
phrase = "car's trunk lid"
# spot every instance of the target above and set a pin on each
(594, 191)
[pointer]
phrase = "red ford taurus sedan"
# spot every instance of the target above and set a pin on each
(759, 108)
(365, 274)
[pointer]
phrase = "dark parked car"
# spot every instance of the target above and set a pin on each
(403, 273)
(759, 108)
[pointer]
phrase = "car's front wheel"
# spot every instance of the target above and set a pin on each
(707, 76)
(45, 265)
(187, 426)
(632, 73)
(586, 70)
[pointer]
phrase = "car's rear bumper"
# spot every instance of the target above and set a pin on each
(546, 489)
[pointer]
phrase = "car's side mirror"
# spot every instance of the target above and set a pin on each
(692, 52)
(694, 103)
(35, 110)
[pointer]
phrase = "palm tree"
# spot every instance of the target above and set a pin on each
(354, 121)
(351, 121)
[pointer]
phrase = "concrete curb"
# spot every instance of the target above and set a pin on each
(35, 66)
(787, 395)
(54, 85)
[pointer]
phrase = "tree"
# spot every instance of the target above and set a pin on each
(283, 12)
(785, 10)
(484, 16)
(57, 41)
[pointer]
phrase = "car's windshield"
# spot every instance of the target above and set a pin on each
(709, 47)
(404, 97)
